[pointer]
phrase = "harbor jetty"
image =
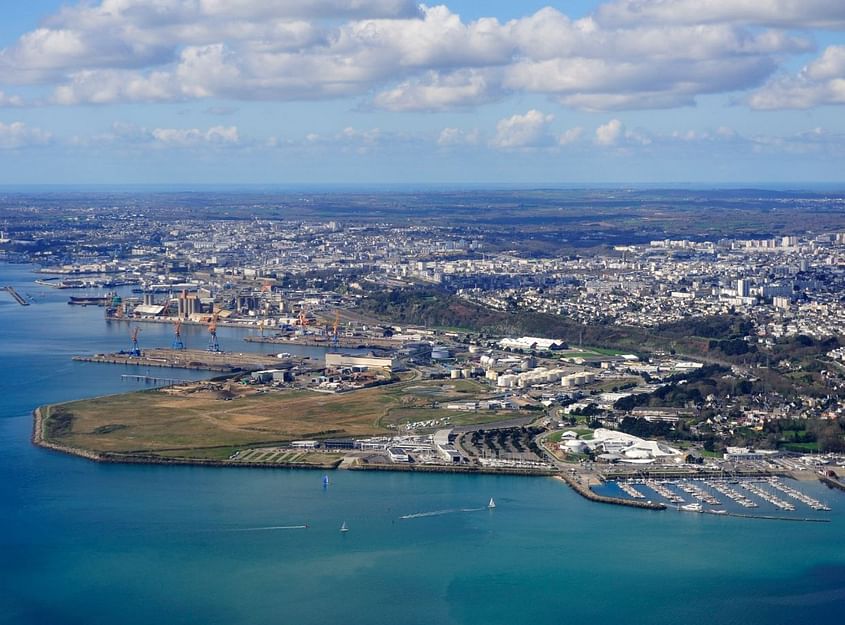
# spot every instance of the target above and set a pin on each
(15, 295)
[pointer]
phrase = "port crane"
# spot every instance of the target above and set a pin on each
(303, 319)
(177, 337)
(213, 345)
(136, 350)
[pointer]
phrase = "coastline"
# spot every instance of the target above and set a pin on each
(574, 482)
(39, 440)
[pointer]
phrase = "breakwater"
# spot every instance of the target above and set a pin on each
(834, 483)
(586, 492)
(767, 517)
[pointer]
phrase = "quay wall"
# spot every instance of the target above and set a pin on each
(116, 360)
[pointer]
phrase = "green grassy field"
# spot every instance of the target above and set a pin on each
(203, 425)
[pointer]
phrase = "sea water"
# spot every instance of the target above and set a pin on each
(88, 543)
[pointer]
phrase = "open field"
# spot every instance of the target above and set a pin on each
(448, 418)
(204, 424)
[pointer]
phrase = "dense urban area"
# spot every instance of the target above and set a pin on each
(593, 335)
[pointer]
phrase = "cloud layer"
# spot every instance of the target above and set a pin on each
(819, 83)
(631, 54)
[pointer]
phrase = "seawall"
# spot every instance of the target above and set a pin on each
(832, 482)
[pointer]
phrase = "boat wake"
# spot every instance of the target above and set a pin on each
(269, 528)
(421, 515)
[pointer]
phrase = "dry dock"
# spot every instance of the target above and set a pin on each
(225, 362)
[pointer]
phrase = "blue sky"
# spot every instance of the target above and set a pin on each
(389, 91)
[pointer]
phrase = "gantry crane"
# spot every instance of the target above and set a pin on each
(136, 350)
(177, 337)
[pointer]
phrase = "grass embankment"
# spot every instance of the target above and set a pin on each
(202, 425)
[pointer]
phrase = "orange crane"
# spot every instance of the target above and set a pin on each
(136, 350)
(213, 345)
(177, 338)
(303, 319)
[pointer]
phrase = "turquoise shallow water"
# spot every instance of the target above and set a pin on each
(87, 543)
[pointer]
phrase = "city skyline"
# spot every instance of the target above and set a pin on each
(335, 91)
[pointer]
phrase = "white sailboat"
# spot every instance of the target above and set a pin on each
(343, 527)
(491, 504)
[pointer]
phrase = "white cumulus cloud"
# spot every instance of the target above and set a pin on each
(19, 135)
(818, 83)
(189, 137)
(457, 136)
(523, 131)
(609, 133)
(571, 135)
(10, 100)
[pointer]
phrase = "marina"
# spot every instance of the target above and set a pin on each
(629, 490)
(731, 493)
(815, 504)
(767, 496)
(754, 493)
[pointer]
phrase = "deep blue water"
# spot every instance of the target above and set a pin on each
(83, 543)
